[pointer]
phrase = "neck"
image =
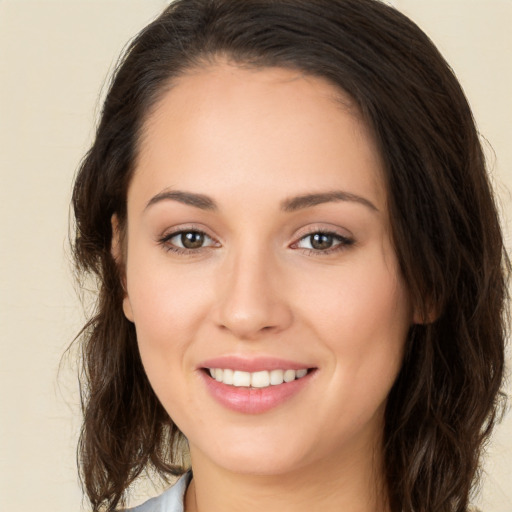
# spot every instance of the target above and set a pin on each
(352, 485)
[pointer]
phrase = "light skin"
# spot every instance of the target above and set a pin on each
(231, 153)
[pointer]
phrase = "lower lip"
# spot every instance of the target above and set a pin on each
(254, 400)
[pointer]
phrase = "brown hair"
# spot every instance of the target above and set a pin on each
(445, 229)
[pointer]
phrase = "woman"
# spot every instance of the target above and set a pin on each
(301, 272)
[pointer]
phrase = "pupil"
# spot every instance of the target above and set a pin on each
(321, 241)
(192, 240)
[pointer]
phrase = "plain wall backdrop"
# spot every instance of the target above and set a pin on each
(54, 60)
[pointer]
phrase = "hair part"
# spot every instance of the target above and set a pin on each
(445, 231)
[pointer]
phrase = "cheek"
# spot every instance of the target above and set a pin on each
(363, 317)
(364, 301)
(375, 321)
(167, 306)
(167, 312)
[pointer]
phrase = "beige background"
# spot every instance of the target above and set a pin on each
(54, 57)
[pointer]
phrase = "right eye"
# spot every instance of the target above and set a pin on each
(187, 241)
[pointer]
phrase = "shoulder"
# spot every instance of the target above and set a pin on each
(170, 500)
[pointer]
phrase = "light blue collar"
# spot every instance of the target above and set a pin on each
(171, 500)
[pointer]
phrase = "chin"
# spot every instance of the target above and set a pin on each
(263, 457)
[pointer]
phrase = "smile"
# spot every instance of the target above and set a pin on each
(260, 379)
(254, 390)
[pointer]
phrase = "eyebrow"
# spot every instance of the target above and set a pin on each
(308, 200)
(197, 200)
(291, 204)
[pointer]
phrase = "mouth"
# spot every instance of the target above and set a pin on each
(259, 380)
(254, 385)
(255, 392)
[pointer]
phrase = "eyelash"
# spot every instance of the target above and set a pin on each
(343, 243)
(165, 242)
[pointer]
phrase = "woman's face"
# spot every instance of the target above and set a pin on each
(258, 247)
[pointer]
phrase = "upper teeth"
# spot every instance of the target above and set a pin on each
(261, 379)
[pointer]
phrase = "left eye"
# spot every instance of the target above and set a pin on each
(322, 241)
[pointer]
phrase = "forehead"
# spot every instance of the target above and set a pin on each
(249, 91)
(227, 125)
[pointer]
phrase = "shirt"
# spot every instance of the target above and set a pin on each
(171, 500)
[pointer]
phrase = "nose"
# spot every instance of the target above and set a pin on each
(251, 301)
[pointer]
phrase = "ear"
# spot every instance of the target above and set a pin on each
(118, 250)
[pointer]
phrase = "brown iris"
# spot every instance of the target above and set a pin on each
(192, 239)
(321, 241)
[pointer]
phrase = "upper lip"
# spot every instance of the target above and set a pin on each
(253, 364)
